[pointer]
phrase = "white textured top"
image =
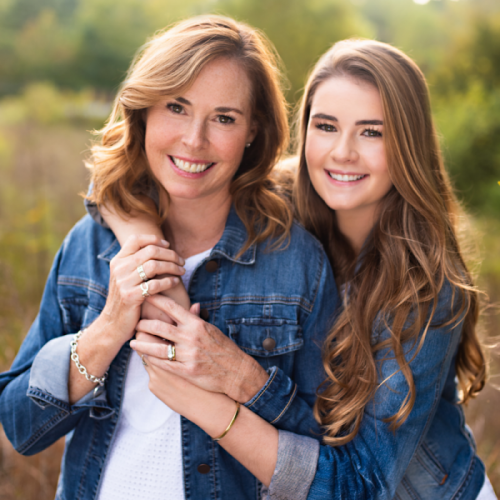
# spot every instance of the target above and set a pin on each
(145, 459)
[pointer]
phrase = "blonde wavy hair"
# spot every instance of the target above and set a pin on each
(165, 67)
(412, 252)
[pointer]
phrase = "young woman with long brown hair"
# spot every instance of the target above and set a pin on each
(403, 354)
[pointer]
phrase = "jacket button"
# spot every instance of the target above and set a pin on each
(204, 314)
(203, 468)
(211, 266)
(269, 344)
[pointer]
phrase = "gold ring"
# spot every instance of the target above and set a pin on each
(171, 352)
(143, 360)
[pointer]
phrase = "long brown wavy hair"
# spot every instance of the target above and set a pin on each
(165, 67)
(411, 253)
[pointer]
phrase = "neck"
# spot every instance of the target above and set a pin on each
(194, 226)
(356, 225)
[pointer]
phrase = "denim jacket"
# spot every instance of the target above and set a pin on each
(431, 456)
(276, 305)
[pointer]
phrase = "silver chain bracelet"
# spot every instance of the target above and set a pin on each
(81, 368)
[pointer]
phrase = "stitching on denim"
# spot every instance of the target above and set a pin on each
(274, 352)
(259, 299)
(42, 431)
(82, 283)
(266, 388)
(466, 480)
(288, 404)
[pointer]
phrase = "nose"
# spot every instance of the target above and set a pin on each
(195, 135)
(344, 149)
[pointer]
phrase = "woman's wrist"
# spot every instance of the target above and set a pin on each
(248, 382)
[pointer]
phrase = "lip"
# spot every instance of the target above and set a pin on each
(189, 175)
(344, 183)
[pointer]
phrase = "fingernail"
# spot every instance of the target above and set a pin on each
(175, 280)
(132, 344)
(181, 269)
(165, 242)
(181, 261)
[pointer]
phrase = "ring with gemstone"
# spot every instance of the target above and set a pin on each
(142, 274)
(171, 352)
(145, 289)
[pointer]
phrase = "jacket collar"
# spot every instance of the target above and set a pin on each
(232, 240)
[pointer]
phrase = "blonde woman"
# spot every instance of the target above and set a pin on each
(200, 120)
(403, 354)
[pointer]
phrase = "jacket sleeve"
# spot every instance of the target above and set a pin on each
(373, 464)
(34, 403)
(287, 402)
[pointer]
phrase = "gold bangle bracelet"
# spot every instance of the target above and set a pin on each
(230, 423)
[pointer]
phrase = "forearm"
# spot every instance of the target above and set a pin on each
(96, 350)
(251, 440)
(141, 224)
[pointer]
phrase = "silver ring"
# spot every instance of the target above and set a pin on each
(145, 289)
(143, 360)
(142, 274)
(171, 352)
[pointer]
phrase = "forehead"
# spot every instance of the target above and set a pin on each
(221, 83)
(347, 97)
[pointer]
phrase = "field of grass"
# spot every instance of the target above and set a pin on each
(42, 173)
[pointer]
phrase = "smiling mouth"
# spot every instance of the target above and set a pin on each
(346, 178)
(186, 166)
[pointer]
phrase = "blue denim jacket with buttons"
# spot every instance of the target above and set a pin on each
(286, 295)
(431, 456)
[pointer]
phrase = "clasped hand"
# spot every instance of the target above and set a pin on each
(205, 357)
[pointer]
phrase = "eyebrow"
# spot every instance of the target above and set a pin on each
(221, 109)
(331, 118)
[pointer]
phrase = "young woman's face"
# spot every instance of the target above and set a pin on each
(344, 148)
(195, 141)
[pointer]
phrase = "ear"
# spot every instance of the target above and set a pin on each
(254, 128)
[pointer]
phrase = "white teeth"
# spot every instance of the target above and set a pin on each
(345, 178)
(190, 167)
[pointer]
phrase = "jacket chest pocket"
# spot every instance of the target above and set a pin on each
(272, 342)
(79, 306)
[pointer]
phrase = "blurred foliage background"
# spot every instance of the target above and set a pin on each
(61, 62)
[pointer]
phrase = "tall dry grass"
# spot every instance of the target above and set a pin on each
(42, 173)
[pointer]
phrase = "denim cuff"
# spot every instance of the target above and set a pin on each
(49, 376)
(295, 467)
(274, 399)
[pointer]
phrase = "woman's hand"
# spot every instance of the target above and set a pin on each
(125, 296)
(204, 355)
(116, 324)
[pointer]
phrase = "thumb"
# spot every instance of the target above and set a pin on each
(195, 309)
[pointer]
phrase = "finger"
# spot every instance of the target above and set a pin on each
(157, 350)
(156, 252)
(170, 307)
(195, 309)
(147, 337)
(155, 286)
(159, 328)
(154, 268)
(137, 241)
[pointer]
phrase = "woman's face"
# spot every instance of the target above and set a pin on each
(195, 141)
(345, 150)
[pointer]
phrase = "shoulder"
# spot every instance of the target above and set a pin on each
(86, 242)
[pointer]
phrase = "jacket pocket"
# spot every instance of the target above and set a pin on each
(273, 342)
(80, 304)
